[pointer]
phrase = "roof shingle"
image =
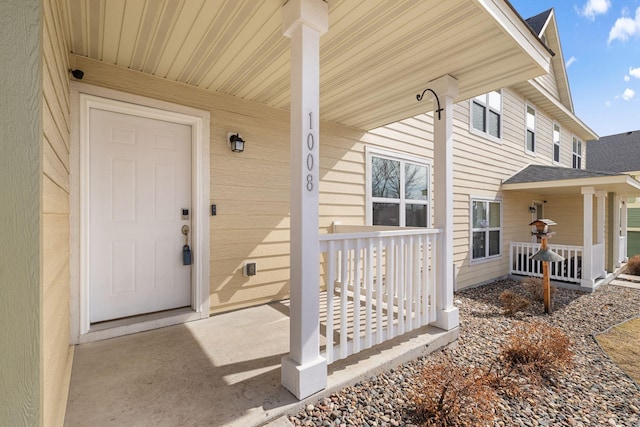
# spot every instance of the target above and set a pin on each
(538, 173)
(615, 153)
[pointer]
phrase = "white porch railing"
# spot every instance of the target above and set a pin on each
(379, 284)
(622, 249)
(597, 260)
(569, 270)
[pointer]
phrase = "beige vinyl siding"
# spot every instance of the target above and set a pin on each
(251, 189)
(480, 166)
(548, 82)
(57, 353)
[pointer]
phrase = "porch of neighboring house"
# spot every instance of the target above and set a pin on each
(602, 215)
(225, 370)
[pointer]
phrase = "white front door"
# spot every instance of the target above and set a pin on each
(139, 184)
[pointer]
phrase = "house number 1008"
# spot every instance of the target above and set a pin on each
(310, 161)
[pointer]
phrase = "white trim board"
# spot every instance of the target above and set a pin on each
(83, 98)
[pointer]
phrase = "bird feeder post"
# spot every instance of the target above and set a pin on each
(546, 281)
(545, 255)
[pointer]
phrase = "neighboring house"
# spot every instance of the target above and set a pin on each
(620, 153)
(103, 174)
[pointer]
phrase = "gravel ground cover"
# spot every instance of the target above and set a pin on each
(594, 392)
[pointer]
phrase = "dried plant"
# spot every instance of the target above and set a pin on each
(537, 349)
(513, 303)
(449, 395)
(633, 265)
(534, 287)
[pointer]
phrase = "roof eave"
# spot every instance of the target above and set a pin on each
(606, 182)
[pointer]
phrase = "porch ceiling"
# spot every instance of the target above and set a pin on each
(375, 58)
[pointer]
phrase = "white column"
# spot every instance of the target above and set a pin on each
(587, 236)
(623, 226)
(601, 197)
(617, 205)
(447, 89)
(304, 371)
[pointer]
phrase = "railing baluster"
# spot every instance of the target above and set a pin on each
(379, 295)
(391, 279)
(357, 265)
(421, 248)
(368, 275)
(410, 282)
(344, 295)
(332, 258)
(400, 285)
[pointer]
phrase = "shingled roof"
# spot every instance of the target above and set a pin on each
(615, 153)
(540, 173)
(537, 22)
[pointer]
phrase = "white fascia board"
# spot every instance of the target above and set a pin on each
(514, 25)
(564, 110)
(580, 182)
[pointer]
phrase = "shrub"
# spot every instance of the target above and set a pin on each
(534, 288)
(449, 395)
(513, 303)
(633, 265)
(537, 348)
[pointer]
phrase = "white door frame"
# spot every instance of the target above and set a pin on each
(83, 98)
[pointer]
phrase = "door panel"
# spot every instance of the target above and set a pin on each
(139, 182)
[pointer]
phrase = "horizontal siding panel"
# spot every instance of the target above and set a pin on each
(55, 240)
(633, 216)
(55, 198)
(54, 168)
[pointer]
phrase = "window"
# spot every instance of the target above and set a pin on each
(485, 113)
(486, 229)
(531, 129)
(577, 153)
(399, 191)
(556, 143)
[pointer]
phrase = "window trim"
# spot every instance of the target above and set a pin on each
(559, 143)
(487, 229)
(573, 153)
(527, 129)
(402, 158)
(486, 134)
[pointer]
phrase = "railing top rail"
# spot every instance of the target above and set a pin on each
(551, 245)
(374, 234)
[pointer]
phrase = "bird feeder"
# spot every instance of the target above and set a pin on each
(545, 255)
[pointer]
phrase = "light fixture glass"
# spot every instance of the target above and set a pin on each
(237, 143)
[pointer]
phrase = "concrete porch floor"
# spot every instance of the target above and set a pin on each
(222, 371)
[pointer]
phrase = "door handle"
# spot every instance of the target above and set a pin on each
(186, 250)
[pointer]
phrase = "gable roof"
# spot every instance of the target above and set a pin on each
(558, 104)
(615, 153)
(538, 22)
(557, 180)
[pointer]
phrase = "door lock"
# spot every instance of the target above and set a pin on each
(185, 214)
(186, 250)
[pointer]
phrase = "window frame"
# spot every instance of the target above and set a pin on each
(527, 129)
(575, 155)
(488, 109)
(557, 143)
(486, 230)
(403, 158)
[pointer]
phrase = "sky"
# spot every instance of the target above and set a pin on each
(601, 49)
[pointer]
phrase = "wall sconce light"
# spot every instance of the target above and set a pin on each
(532, 209)
(236, 141)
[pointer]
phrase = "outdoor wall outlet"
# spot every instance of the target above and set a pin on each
(249, 268)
